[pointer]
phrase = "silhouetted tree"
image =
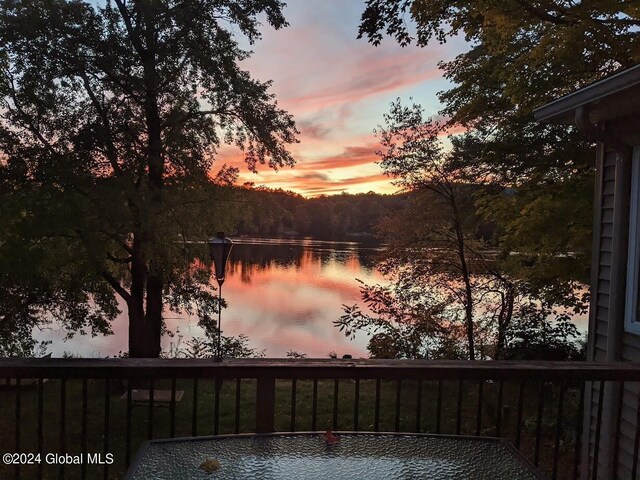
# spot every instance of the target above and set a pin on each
(520, 56)
(267, 211)
(450, 292)
(110, 118)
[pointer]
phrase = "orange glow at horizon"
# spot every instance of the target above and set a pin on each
(353, 170)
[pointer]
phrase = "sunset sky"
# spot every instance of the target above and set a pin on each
(337, 88)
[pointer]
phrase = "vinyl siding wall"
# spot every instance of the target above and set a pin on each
(597, 347)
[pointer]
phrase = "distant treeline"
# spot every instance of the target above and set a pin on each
(279, 212)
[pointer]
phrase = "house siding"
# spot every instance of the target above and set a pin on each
(608, 112)
(623, 433)
(628, 420)
(602, 282)
(599, 308)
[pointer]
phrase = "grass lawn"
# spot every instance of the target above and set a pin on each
(206, 424)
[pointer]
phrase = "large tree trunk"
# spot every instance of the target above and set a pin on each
(146, 328)
(145, 325)
(153, 319)
(144, 336)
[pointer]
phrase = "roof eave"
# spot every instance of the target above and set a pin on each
(562, 110)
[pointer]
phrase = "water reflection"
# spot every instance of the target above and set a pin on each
(282, 293)
(254, 255)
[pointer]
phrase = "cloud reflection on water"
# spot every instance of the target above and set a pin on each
(282, 294)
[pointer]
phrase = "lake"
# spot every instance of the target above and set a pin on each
(283, 294)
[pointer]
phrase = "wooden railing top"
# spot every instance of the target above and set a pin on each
(315, 368)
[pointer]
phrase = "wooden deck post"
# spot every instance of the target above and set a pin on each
(265, 403)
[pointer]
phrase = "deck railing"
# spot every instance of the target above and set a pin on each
(61, 408)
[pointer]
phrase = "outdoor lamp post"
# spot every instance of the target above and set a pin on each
(220, 247)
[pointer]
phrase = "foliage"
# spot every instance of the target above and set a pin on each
(452, 291)
(521, 55)
(412, 324)
(110, 119)
(232, 347)
(438, 230)
(537, 180)
(541, 339)
(295, 354)
(278, 212)
(538, 49)
(404, 322)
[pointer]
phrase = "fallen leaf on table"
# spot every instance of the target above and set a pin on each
(330, 438)
(210, 466)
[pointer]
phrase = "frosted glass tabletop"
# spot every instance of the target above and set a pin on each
(308, 456)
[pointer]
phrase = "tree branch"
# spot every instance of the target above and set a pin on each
(126, 296)
(126, 18)
(112, 154)
(544, 15)
(115, 259)
(185, 117)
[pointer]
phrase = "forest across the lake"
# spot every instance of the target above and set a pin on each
(279, 212)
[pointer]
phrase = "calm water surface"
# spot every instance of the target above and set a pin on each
(283, 294)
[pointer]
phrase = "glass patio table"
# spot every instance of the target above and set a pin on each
(308, 456)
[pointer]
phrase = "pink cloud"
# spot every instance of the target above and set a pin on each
(337, 87)
(316, 185)
(352, 156)
(311, 177)
(364, 80)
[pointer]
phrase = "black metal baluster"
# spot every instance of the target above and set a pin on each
(577, 447)
(194, 412)
(314, 408)
(418, 406)
(172, 406)
(356, 405)
(479, 411)
(63, 408)
(616, 440)
(459, 408)
(556, 447)
(335, 403)
(107, 421)
(294, 394)
(151, 399)
(439, 407)
(40, 423)
(376, 416)
(398, 394)
(499, 412)
(536, 457)
(83, 466)
(519, 421)
(636, 442)
(596, 449)
(216, 407)
(18, 426)
(127, 458)
(238, 384)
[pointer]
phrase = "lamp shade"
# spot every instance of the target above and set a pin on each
(220, 247)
